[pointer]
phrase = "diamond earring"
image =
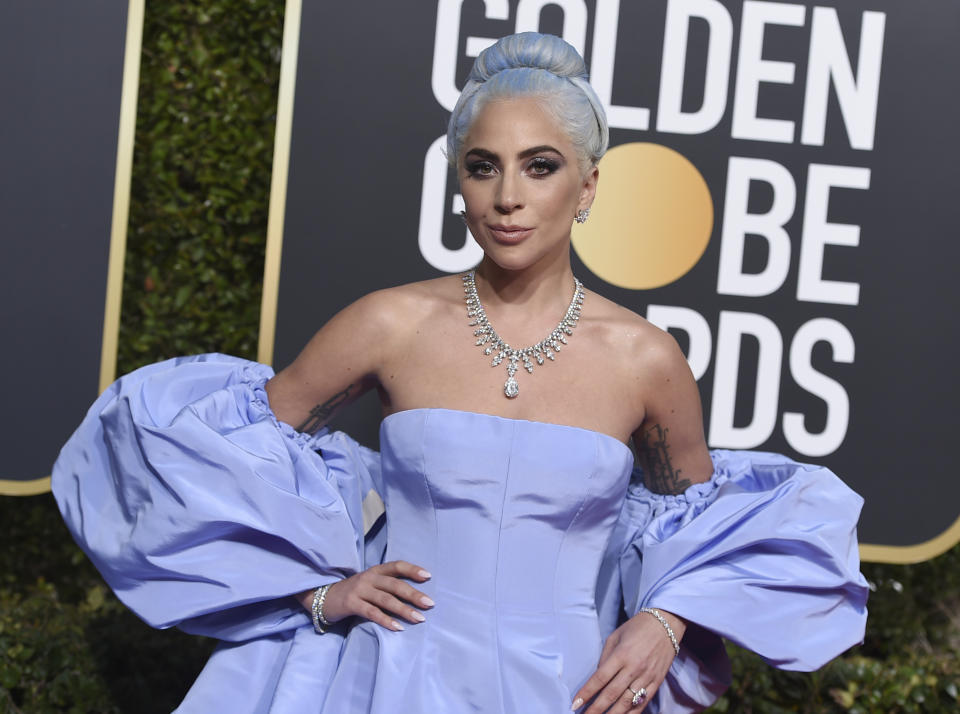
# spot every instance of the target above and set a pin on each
(582, 215)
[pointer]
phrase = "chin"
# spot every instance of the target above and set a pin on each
(513, 259)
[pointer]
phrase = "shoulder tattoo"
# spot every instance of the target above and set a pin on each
(320, 413)
(654, 453)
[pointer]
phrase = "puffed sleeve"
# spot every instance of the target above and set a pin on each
(763, 554)
(201, 510)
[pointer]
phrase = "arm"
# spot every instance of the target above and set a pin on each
(670, 444)
(673, 455)
(199, 508)
(340, 363)
(764, 530)
(343, 361)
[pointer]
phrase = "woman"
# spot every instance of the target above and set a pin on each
(509, 485)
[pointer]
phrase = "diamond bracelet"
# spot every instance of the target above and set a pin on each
(666, 625)
(316, 609)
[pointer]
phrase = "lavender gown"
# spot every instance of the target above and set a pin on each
(203, 511)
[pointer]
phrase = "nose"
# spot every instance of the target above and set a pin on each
(508, 198)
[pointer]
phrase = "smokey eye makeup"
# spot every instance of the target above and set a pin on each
(540, 162)
(480, 167)
(543, 166)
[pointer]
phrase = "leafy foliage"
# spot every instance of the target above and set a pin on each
(201, 179)
(909, 661)
(853, 684)
(193, 270)
(66, 643)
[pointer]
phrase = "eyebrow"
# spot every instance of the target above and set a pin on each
(543, 148)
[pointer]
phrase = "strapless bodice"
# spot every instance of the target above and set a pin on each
(510, 512)
(511, 518)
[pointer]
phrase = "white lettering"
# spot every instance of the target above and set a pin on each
(828, 61)
(752, 69)
(605, 27)
(733, 326)
(670, 117)
(574, 19)
(443, 78)
(817, 233)
(430, 237)
(831, 392)
(738, 223)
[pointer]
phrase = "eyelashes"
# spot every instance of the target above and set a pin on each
(538, 167)
(481, 169)
(541, 166)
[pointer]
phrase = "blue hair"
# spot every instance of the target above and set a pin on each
(529, 64)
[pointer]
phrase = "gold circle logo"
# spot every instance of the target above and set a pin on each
(651, 220)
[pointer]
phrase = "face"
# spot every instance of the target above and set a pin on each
(522, 183)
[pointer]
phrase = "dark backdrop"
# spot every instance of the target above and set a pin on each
(359, 210)
(63, 65)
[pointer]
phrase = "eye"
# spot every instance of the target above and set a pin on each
(481, 168)
(541, 166)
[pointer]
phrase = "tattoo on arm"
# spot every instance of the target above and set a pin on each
(320, 413)
(655, 457)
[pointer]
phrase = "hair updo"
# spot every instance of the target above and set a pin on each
(529, 64)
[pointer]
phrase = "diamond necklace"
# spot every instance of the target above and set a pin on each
(545, 348)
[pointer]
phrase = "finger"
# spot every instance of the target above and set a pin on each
(598, 680)
(404, 591)
(651, 689)
(373, 613)
(390, 604)
(615, 696)
(403, 569)
(643, 681)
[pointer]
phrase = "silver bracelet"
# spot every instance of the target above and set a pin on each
(316, 610)
(666, 625)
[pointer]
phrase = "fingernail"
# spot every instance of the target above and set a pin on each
(424, 574)
(426, 602)
(577, 703)
(397, 625)
(417, 616)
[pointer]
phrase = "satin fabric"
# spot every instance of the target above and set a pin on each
(512, 518)
(203, 511)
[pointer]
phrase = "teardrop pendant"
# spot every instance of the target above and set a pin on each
(492, 344)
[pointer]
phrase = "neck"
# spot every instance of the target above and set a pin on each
(536, 286)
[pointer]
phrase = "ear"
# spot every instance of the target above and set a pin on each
(588, 189)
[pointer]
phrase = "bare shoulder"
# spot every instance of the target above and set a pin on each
(347, 355)
(388, 309)
(636, 345)
(424, 294)
(651, 368)
(393, 311)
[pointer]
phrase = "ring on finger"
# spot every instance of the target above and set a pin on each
(638, 695)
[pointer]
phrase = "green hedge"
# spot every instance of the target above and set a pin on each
(194, 264)
(201, 179)
(66, 642)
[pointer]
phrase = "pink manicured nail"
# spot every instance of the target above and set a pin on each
(577, 703)
(417, 616)
(426, 602)
(397, 625)
(424, 574)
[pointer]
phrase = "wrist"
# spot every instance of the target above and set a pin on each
(678, 624)
(668, 621)
(305, 598)
(317, 615)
